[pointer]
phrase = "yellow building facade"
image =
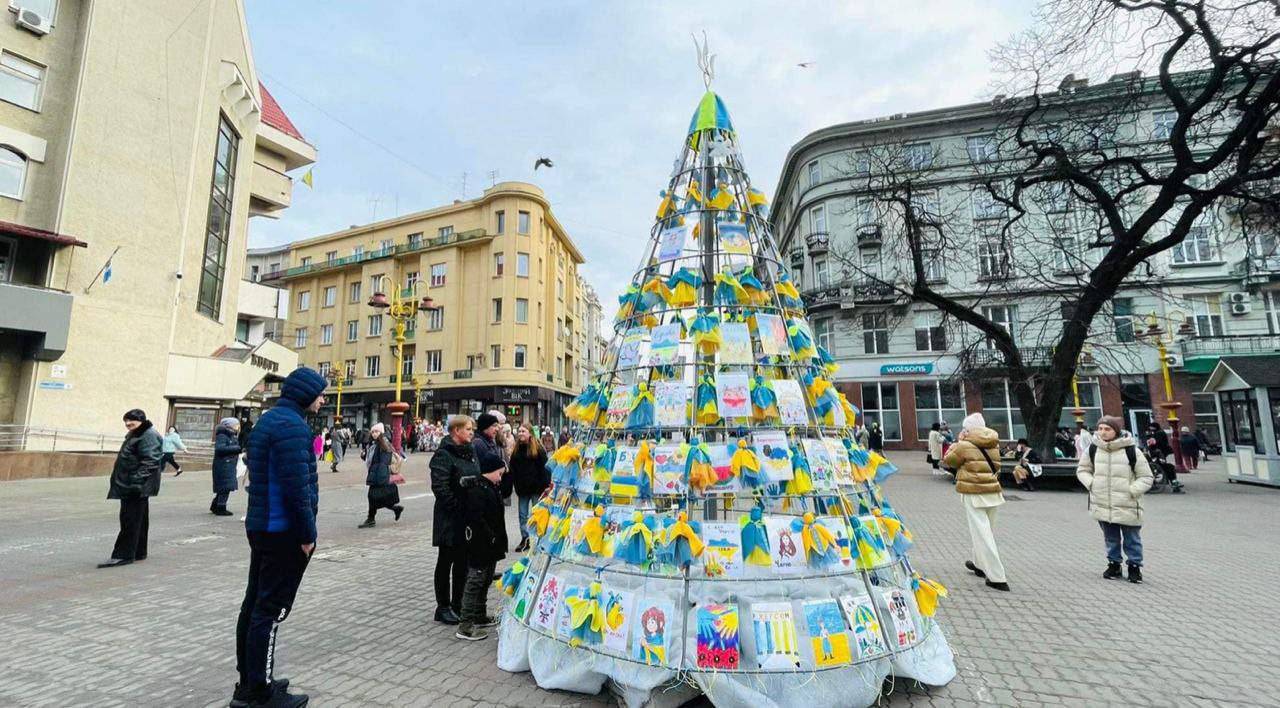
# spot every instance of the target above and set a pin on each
(134, 147)
(506, 333)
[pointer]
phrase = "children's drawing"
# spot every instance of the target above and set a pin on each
(790, 402)
(652, 633)
(827, 633)
(773, 628)
(718, 637)
(733, 395)
(861, 615)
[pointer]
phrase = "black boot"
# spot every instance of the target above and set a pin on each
(976, 570)
(446, 615)
(1135, 573)
(242, 695)
(368, 523)
(222, 511)
(1113, 571)
(278, 697)
(398, 511)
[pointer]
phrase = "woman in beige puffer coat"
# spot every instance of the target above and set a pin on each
(976, 459)
(1115, 494)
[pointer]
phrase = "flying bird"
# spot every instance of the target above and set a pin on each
(542, 161)
(806, 64)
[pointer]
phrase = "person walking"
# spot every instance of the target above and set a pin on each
(453, 460)
(876, 438)
(135, 478)
(1203, 442)
(382, 493)
(935, 447)
(226, 450)
(864, 437)
(318, 445)
(341, 439)
(548, 440)
(246, 429)
(1190, 448)
(171, 445)
(1117, 476)
(284, 497)
(486, 538)
(976, 459)
(529, 476)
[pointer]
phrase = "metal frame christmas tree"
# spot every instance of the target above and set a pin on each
(714, 526)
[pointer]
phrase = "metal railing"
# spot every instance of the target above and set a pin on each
(1232, 344)
(376, 254)
(19, 438)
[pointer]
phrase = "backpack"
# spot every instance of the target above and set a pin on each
(1129, 452)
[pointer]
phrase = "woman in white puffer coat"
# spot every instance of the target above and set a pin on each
(1117, 475)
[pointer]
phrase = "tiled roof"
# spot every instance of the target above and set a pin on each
(11, 229)
(274, 116)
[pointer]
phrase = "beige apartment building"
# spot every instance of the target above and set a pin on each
(135, 143)
(508, 328)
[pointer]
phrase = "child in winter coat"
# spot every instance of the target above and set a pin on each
(1117, 476)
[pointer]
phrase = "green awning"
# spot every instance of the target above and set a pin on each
(1200, 364)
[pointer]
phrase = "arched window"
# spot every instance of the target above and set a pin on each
(13, 172)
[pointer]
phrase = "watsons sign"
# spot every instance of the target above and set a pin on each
(905, 369)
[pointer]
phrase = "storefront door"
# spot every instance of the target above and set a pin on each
(1139, 419)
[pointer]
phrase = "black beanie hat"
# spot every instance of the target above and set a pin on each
(136, 414)
(485, 421)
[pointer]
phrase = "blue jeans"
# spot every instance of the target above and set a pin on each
(1118, 537)
(523, 506)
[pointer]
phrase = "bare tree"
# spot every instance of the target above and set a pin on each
(1072, 198)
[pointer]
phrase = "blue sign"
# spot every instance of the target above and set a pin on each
(54, 385)
(905, 369)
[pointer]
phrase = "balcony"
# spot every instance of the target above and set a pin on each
(462, 373)
(270, 191)
(984, 359)
(819, 242)
(869, 236)
(43, 315)
(469, 237)
(1227, 345)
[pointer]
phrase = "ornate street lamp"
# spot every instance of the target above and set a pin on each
(402, 307)
(1156, 335)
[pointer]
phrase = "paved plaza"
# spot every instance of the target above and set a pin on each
(1201, 631)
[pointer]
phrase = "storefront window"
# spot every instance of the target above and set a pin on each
(1090, 402)
(1207, 416)
(880, 405)
(938, 402)
(1240, 419)
(1001, 410)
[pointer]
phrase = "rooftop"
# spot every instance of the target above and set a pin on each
(274, 116)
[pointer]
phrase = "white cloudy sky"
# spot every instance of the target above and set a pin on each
(605, 89)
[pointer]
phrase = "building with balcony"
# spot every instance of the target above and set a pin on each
(507, 330)
(135, 143)
(907, 366)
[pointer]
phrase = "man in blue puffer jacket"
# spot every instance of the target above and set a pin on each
(281, 526)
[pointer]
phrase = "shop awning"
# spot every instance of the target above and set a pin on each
(8, 228)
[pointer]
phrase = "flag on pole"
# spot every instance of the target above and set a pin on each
(306, 179)
(106, 272)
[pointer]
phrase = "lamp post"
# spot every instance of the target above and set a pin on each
(338, 375)
(402, 307)
(418, 383)
(1084, 359)
(1155, 334)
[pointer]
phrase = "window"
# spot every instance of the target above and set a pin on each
(304, 301)
(880, 405)
(1000, 411)
(1068, 256)
(1240, 418)
(326, 334)
(522, 310)
(330, 256)
(1270, 302)
(1122, 319)
(501, 218)
(522, 265)
(1206, 314)
(875, 333)
(994, 259)
(306, 261)
(387, 245)
(1162, 124)
(349, 366)
(437, 275)
(330, 296)
(496, 309)
(357, 252)
(253, 273)
(435, 319)
(375, 325)
(444, 232)
(273, 268)
(353, 291)
(986, 206)
(815, 173)
(410, 326)
(1057, 197)
(930, 335)
(415, 240)
(8, 254)
(372, 366)
(824, 333)
(218, 224)
(559, 368)
(933, 270)
(1003, 316)
(434, 361)
(821, 272)
(1196, 246)
(20, 81)
(938, 402)
(872, 264)
(353, 330)
(982, 148)
(300, 337)
(1090, 402)
(324, 368)
(818, 219)
(406, 366)
(375, 283)
(495, 356)
(522, 223)
(499, 262)
(559, 289)
(521, 355)
(410, 279)
(917, 156)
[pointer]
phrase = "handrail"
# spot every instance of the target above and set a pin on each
(18, 438)
(425, 244)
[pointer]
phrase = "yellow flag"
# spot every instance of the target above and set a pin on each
(306, 179)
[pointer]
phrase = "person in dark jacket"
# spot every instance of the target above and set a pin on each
(1162, 448)
(382, 493)
(454, 460)
(226, 450)
(486, 539)
(1190, 448)
(876, 438)
(281, 525)
(529, 476)
(135, 478)
(488, 449)
(246, 429)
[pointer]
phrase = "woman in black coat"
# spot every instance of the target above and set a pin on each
(226, 450)
(529, 476)
(382, 493)
(135, 478)
(453, 460)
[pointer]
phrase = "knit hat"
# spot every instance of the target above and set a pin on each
(136, 414)
(485, 421)
(1112, 421)
(502, 417)
(973, 421)
(303, 385)
(229, 423)
(378, 428)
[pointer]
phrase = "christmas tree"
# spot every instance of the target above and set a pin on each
(714, 526)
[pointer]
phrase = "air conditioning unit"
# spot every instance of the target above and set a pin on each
(1240, 308)
(1173, 360)
(32, 21)
(1238, 297)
